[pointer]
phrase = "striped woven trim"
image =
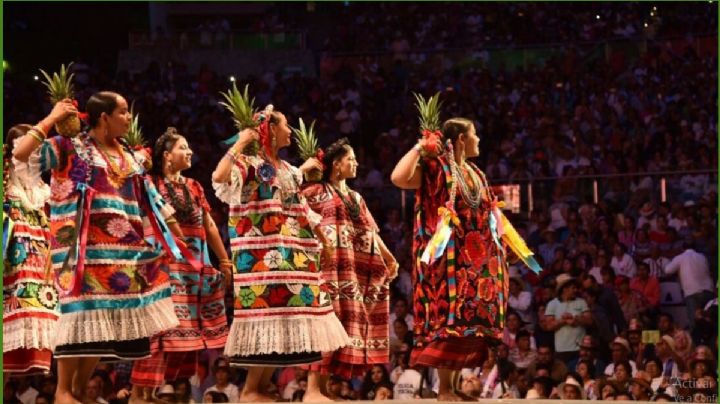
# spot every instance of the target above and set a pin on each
(274, 241)
(274, 277)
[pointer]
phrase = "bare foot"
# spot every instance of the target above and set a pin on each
(315, 397)
(448, 396)
(256, 397)
(66, 398)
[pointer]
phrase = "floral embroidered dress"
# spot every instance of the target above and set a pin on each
(198, 295)
(30, 300)
(115, 291)
(280, 315)
(459, 300)
(356, 279)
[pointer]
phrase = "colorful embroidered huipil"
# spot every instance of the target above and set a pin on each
(279, 308)
(459, 299)
(112, 280)
(30, 300)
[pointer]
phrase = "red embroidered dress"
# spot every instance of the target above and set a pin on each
(279, 308)
(459, 300)
(355, 279)
(198, 296)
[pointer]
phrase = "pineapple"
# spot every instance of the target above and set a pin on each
(308, 147)
(429, 112)
(242, 107)
(59, 88)
(134, 135)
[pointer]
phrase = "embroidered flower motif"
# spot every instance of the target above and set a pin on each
(18, 253)
(66, 234)
(61, 188)
(78, 172)
(66, 279)
(273, 259)
(246, 297)
(292, 226)
(307, 295)
(118, 227)
(120, 282)
(475, 249)
(48, 296)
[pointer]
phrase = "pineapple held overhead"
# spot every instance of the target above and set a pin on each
(308, 147)
(429, 111)
(242, 107)
(60, 87)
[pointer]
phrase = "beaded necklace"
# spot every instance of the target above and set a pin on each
(118, 173)
(472, 197)
(185, 208)
(353, 207)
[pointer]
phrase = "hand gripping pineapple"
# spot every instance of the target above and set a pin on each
(60, 87)
(309, 151)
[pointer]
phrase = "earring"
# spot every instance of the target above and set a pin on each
(273, 142)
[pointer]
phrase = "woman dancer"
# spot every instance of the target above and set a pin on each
(459, 292)
(114, 292)
(357, 261)
(30, 300)
(198, 295)
(281, 317)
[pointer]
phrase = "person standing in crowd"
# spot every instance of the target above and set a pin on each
(697, 284)
(198, 292)
(459, 298)
(567, 315)
(115, 291)
(281, 317)
(357, 260)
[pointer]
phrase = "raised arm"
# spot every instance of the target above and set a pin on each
(224, 168)
(407, 174)
(32, 139)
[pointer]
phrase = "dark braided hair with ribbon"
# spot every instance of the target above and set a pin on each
(15, 132)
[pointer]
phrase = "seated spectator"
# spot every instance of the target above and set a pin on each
(643, 245)
(621, 262)
(571, 389)
(545, 357)
(513, 324)
(588, 353)
(166, 393)
(523, 354)
(640, 387)
(215, 397)
(221, 369)
(93, 392)
(507, 382)
(520, 300)
(384, 391)
(400, 311)
(586, 371)
(377, 375)
(183, 391)
(622, 374)
(656, 263)
(620, 352)
(631, 302)
(646, 285)
(407, 386)
(542, 388)
(683, 341)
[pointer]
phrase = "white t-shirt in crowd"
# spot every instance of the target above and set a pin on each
(230, 390)
(408, 385)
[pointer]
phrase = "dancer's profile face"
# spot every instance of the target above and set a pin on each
(471, 142)
(281, 131)
(346, 166)
(180, 156)
(118, 122)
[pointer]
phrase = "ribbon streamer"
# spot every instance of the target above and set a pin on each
(77, 253)
(8, 225)
(439, 240)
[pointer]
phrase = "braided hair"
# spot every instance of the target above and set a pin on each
(336, 151)
(165, 143)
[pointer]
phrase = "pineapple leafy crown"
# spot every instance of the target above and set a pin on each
(241, 106)
(429, 110)
(59, 85)
(307, 142)
(134, 135)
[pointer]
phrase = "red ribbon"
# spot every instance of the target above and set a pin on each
(320, 155)
(82, 115)
(84, 227)
(430, 141)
